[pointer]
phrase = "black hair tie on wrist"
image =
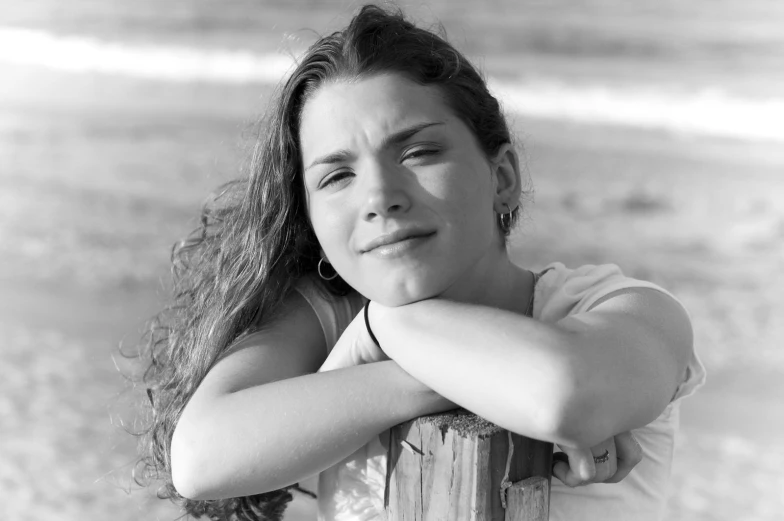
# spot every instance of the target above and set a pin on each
(367, 325)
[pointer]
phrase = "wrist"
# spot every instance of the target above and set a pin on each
(384, 322)
(380, 320)
(423, 400)
(366, 312)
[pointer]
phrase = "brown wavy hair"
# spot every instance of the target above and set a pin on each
(255, 239)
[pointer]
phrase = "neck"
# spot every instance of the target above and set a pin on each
(495, 282)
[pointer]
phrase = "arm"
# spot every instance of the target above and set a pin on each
(576, 382)
(261, 421)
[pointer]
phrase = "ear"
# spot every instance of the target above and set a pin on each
(506, 178)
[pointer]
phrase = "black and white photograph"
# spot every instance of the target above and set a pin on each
(503, 260)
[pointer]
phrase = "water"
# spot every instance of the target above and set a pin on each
(698, 68)
(651, 129)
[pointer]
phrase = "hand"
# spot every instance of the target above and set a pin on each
(576, 466)
(354, 347)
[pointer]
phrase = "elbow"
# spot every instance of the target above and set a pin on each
(184, 468)
(193, 471)
(202, 469)
(186, 486)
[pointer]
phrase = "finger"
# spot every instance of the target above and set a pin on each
(583, 465)
(606, 469)
(606, 464)
(628, 455)
(562, 471)
(560, 456)
(578, 469)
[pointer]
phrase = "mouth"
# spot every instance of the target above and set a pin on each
(395, 237)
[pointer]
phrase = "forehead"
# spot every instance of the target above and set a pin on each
(354, 113)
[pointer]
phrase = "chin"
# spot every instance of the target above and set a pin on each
(394, 295)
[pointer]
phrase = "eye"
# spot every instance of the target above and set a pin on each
(420, 153)
(335, 178)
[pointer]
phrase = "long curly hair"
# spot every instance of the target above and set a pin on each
(255, 239)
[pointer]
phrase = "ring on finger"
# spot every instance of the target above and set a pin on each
(604, 458)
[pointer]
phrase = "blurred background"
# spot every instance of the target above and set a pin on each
(653, 133)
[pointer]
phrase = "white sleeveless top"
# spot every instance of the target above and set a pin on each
(353, 490)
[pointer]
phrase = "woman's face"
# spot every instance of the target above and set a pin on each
(400, 195)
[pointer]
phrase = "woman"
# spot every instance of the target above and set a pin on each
(387, 175)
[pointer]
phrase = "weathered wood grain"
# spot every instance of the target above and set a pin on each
(528, 500)
(451, 466)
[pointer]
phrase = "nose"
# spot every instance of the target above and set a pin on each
(385, 192)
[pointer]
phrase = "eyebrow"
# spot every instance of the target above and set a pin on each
(389, 141)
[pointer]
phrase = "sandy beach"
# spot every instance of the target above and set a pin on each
(100, 174)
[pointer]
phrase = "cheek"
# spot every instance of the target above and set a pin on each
(332, 230)
(474, 215)
(470, 200)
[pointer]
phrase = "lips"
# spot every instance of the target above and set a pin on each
(396, 236)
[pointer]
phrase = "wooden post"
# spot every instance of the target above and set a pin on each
(457, 466)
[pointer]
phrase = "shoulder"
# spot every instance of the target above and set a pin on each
(641, 308)
(563, 291)
(289, 344)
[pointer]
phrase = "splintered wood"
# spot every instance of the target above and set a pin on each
(457, 466)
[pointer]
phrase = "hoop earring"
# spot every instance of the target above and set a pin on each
(318, 268)
(505, 219)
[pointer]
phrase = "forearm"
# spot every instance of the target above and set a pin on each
(270, 436)
(589, 376)
(504, 367)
